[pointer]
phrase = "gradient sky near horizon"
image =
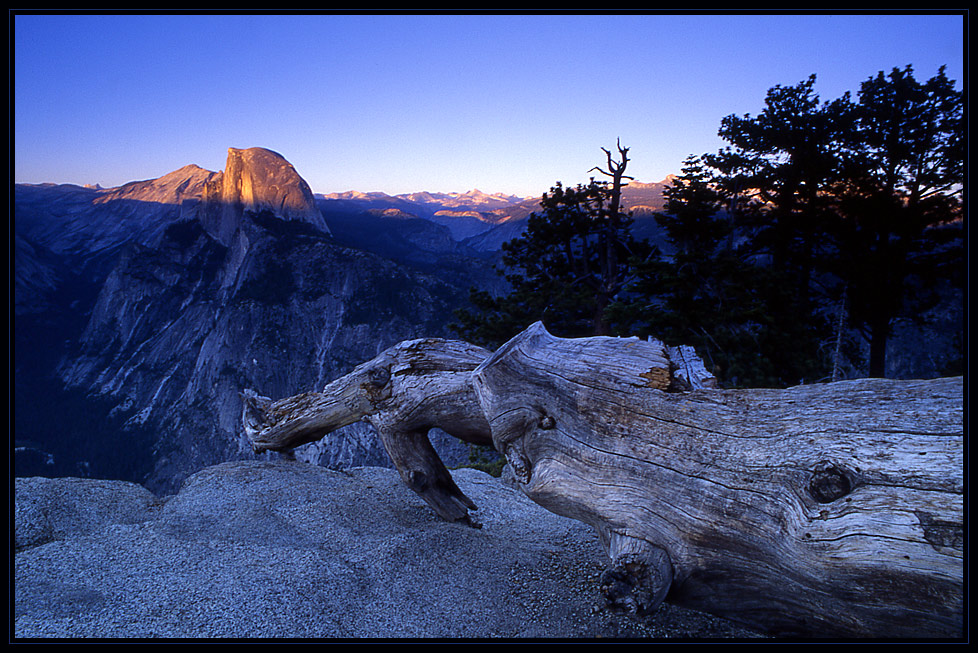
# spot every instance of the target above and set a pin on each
(443, 103)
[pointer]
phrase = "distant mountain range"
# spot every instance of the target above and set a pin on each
(484, 221)
(470, 199)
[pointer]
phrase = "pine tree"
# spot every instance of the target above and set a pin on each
(900, 201)
(704, 293)
(774, 174)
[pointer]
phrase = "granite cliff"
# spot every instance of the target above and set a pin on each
(143, 310)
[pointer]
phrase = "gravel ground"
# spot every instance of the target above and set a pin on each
(260, 549)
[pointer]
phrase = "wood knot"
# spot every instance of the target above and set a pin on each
(829, 483)
(378, 377)
(940, 533)
(547, 422)
(417, 480)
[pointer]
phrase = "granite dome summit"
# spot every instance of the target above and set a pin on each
(255, 180)
(69, 218)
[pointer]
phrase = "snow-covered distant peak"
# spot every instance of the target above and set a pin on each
(475, 199)
(353, 195)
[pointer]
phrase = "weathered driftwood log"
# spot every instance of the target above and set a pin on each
(822, 510)
(829, 509)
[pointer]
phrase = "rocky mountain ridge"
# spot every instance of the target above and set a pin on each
(142, 312)
(184, 183)
(469, 199)
(69, 219)
(466, 215)
(485, 221)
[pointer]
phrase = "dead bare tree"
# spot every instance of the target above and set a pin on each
(613, 273)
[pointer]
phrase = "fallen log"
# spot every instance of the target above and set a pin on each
(821, 510)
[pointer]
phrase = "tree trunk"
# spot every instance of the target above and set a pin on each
(879, 335)
(822, 510)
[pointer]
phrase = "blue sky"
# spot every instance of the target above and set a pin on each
(403, 103)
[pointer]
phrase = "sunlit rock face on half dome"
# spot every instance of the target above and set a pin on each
(256, 180)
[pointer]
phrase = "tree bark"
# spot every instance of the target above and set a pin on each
(879, 335)
(821, 510)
